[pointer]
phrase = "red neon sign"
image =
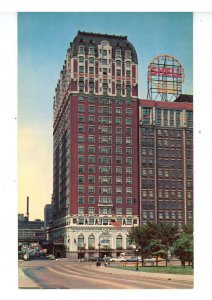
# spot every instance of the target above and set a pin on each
(168, 72)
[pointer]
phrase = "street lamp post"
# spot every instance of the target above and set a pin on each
(84, 250)
(99, 249)
(137, 259)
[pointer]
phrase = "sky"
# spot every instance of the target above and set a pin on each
(43, 39)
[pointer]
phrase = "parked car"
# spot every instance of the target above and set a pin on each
(121, 259)
(51, 257)
(95, 258)
(152, 259)
(26, 256)
(132, 259)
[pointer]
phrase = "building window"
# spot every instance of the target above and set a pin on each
(81, 159)
(118, 189)
(128, 121)
(118, 200)
(128, 190)
(118, 63)
(118, 140)
(119, 242)
(91, 109)
(91, 129)
(91, 200)
(118, 170)
(129, 160)
(81, 189)
(91, 179)
(128, 211)
(81, 210)
(129, 180)
(118, 130)
(81, 148)
(128, 170)
(81, 119)
(81, 49)
(81, 58)
(91, 169)
(128, 63)
(81, 69)
(81, 128)
(91, 60)
(129, 201)
(91, 210)
(118, 110)
(128, 140)
(91, 119)
(91, 70)
(119, 211)
(91, 149)
(91, 159)
(91, 50)
(118, 159)
(81, 138)
(91, 189)
(81, 199)
(118, 53)
(105, 221)
(81, 179)
(129, 150)
(118, 150)
(118, 121)
(80, 241)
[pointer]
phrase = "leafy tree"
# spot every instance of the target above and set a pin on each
(139, 237)
(183, 248)
(154, 239)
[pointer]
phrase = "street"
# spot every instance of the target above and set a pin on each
(65, 274)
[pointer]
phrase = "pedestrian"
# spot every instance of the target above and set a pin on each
(97, 263)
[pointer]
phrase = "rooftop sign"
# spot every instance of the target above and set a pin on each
(165, 78)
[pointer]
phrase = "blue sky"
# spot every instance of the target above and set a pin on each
(43, 39)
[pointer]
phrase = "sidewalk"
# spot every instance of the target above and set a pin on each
(162, 276)
(25, 282)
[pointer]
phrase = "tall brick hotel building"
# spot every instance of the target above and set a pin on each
(119, 161)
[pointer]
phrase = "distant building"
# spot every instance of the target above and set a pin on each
(31, 231)
(21, 217)
(48, 214)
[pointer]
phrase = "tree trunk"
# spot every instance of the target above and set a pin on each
(142, 260)
(157, 261)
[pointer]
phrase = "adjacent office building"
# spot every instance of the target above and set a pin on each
(166, 161)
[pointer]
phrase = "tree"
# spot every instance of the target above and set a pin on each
(139, 237)
(155, 239)
(183, 248)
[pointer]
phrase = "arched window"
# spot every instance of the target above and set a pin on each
(118, 241)
(91, 242)
(80, 241)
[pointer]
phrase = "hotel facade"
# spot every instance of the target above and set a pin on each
(107, 149)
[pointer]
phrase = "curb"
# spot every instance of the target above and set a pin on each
(152, 275)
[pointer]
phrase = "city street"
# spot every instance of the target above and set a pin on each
(65, 274)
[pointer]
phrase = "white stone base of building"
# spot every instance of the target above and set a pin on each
(87, 241)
